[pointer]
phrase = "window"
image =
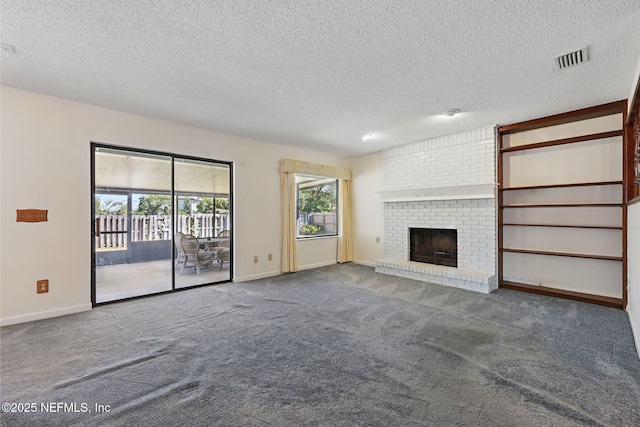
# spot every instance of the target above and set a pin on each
(317, 202)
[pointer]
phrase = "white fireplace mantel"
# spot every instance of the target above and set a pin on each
(462, 192)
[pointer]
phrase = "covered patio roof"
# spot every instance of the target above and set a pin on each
(119, 169)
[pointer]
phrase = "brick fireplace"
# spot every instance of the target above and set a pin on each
(447, 184)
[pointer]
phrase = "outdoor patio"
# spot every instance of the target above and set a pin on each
(114, 282)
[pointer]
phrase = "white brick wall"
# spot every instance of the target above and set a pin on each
(475, 221)
(466, 158)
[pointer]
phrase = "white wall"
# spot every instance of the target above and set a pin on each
(45, 165)
(633, 251)
(634, 84)
(368, 225)
(317, 252)
(633, 284)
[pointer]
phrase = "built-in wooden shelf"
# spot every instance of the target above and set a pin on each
(561, 205)
(565, 254)
(614, 107)
(568, 196)
(583, 138)
(561, 293)
(598, 227)
(579, 184)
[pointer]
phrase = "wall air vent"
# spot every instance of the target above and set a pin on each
(573, 58)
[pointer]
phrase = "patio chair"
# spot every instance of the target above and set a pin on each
(223, 251)
(225, 233)
(194, 256)
(177, 240)
(222, 255)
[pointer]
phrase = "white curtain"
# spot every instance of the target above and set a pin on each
(288, 200)
(345, 233)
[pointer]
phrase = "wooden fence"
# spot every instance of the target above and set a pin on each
(113, 228)
(327, 220)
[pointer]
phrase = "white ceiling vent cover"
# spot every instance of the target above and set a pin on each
(573, 58)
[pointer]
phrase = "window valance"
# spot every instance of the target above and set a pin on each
(300, 167)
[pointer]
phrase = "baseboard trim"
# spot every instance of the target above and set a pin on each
(257, 276)
(317, 265)
(45, 314)
(367, 263)
(277, 273)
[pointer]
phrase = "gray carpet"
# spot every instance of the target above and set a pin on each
(335, 346)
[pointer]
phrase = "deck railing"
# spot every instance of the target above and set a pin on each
(113, 228)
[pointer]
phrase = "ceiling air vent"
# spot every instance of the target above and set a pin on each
(573, 58)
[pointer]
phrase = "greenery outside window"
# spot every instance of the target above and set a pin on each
(317, 206)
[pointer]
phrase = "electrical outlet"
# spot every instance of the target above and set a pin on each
(270, 257)
(42, 286)
(255, 259)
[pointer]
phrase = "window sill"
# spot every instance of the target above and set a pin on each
(304, 239)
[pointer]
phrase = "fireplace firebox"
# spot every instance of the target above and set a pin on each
(434, 246)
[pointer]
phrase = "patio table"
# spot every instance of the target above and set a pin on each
(210, 242)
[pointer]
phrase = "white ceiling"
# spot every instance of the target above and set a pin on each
(319, 74)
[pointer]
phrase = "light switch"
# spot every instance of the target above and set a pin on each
(31, 215)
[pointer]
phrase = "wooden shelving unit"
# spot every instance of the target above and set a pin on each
(562, 205)
(577, 296)
(602, 201)
(578, 184)
(596, 227)
(582, 138)
(567, 254)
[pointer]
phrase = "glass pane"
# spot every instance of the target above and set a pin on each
(111, 219)
(202, 194)
(133, 224)
(317, 200)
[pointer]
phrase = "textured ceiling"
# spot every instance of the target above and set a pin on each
(319, 74)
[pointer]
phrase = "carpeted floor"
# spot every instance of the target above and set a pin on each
(335, 346)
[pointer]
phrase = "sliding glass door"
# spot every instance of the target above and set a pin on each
(202, 191)
(160, 222)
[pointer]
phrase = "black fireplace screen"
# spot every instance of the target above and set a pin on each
(434, 246)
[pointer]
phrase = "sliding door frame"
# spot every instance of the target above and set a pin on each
(173, 156)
